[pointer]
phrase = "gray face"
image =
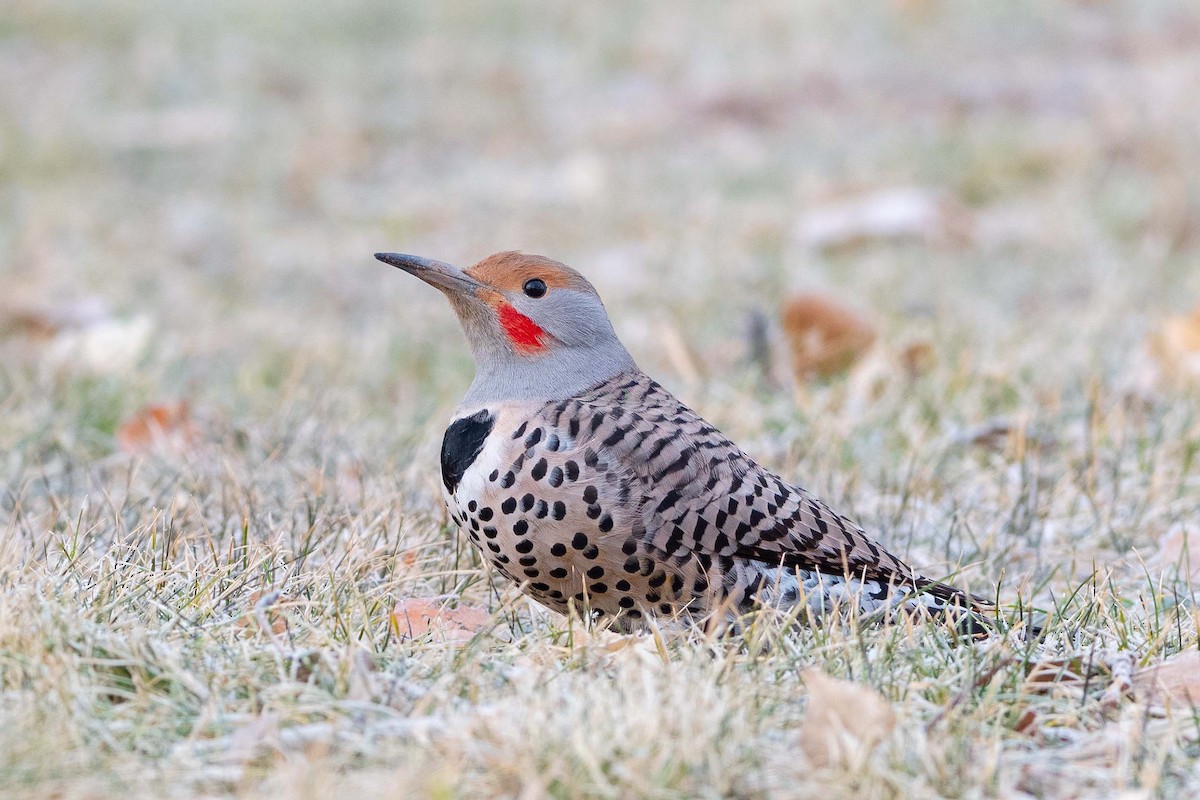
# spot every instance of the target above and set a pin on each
(573, 318)
(536, 328)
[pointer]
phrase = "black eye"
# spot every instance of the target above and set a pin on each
(535, 287)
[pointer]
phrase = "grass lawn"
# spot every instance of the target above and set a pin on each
(227, 596)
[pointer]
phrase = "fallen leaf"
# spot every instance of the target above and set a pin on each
(1175, 347)
(159, 427)
(264, 613)
(415, 617)
(1173, 683)
(1179, 548)
(1026, 722)
(907, 213)
(823, 337)
(844, 721)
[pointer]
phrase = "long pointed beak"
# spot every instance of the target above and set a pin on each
(436, 273)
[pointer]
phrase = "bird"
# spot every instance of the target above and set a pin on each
(582, 480)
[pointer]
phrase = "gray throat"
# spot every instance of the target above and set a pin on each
(566, 373)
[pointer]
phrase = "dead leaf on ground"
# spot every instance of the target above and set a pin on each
(1174, 683)
(415, 617)
(264, 611)
(823, 337)
(164, 426)
(906, 213)
(1175, 347)
(844, 722)
(1026, 723)
(1179, 548)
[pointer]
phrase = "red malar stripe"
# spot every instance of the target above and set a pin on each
(522, 331)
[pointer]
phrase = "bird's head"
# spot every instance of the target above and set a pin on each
(536, 328)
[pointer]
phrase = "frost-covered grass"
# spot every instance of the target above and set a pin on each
(214, 618)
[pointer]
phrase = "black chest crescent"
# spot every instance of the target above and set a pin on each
(462, 444)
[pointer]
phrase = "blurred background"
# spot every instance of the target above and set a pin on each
(191, 194)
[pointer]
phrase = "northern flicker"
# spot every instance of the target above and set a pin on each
(588, 484)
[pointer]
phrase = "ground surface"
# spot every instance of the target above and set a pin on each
(216, 614)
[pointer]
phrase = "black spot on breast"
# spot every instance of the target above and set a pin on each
(462, 444)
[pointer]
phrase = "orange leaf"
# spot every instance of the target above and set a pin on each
(1026, 722)
(1174, 682)
(824, 338)
(415, 617)
(162, 426)
(264, 611)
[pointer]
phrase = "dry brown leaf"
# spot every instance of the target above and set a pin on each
(264, 612)
(823, 337)
(164, 426)
(844, 721)
(1026, 723)
(415, 617)
(1173, 683)
(1176, 347)
(1179, 548)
